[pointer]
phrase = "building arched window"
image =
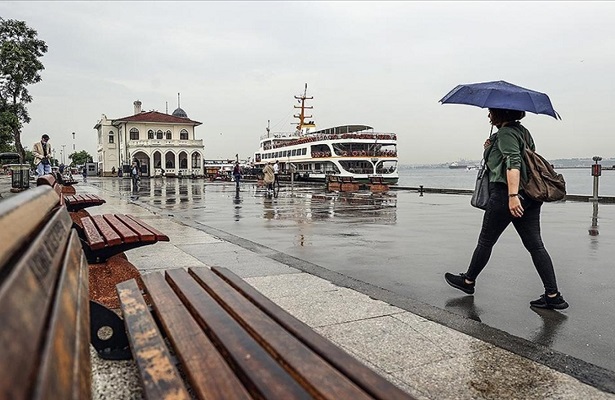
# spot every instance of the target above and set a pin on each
(150, 134)
(183, 134)
(169, 135)
(134, 134)
(159, 134)
(111, 137)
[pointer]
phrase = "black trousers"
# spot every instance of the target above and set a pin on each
(497, 217)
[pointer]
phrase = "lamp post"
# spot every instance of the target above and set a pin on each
(73, 141)
(63, 154)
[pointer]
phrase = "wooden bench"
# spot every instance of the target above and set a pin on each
(348, 184)
(76, 204)
(333, 183)
(234, 343)
(45, 333)
(377, 184)
(108, 235)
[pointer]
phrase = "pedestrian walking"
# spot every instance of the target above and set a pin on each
(508, 204)
(269, 178)
(42, 156)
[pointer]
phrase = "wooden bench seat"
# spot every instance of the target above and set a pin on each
(108, 235)
(68, 195)
(377, 184)
(78, 202)
(45, 333)
(234, 343)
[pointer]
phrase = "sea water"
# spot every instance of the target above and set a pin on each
(578, 180)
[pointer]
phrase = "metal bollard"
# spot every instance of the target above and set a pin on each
(421, 191)
(596, 172)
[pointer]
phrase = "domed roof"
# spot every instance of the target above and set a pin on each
(179, 113)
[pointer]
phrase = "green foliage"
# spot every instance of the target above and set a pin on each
(79, 158)
(20, 50)
(8, 122)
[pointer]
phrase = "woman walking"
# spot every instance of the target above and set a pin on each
(508, 204)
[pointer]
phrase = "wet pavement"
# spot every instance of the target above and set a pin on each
(401, 244)
(396, 248)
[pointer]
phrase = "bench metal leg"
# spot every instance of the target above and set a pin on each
(107, 333)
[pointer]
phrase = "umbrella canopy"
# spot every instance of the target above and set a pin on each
(500, 94)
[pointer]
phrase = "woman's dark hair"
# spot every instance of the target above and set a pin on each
(500, 115)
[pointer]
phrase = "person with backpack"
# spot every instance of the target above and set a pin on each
(509, 204)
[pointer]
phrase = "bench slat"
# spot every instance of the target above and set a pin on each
(65, 361)
(218, 380)
(29, 286)
(26, 211)
(107, 232)
(143, 234)
(319, 377)
(160, 378)
(260, 373)
(161, 237)
(94, 239)
(126, 234)
(363, 376)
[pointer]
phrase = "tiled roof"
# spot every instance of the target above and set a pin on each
(155, 116)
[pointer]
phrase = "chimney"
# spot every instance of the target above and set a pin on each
(137, 107)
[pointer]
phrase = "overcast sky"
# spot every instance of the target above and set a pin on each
(383, 64)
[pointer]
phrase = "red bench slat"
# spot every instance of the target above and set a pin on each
(111, 237)
(159, 235)
(126, 234)
(144, 234)
(95, 240)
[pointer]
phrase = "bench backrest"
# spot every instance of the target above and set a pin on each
(50, 180)
(44, 300)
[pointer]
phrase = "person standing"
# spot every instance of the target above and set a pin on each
(134, 175)
(508, 204)
(84, 172)
(237, 174)
(42, 156)
(276, 172)
(269, 178)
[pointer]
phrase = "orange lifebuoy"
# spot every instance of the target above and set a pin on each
(354, 153)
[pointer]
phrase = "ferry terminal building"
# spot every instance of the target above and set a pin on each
(157, 141)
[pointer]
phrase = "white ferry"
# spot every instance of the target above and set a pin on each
(355, 151)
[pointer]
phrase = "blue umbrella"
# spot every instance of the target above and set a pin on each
(500, 94)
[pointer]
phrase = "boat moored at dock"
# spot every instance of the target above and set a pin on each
(355, 151)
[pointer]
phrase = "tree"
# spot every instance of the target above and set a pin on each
(79, 158)
(8, 122)
(20, 50)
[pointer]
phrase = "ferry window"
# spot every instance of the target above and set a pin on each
(293, 153)
(317, 166)
(159, 134)
(169, 135)
(303, 152)
(183, 134)
(134, 134)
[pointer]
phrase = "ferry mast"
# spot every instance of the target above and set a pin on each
(301, 124)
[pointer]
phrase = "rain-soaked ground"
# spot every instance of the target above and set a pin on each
(404, 243)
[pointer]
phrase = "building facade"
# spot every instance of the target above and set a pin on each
(159, 142)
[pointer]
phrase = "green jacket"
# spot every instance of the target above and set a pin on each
(506, 152)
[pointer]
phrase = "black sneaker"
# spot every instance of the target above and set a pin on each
(557, 302)
(459, 282)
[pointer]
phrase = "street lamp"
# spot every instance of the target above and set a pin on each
(73, 141)
(63, 154)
